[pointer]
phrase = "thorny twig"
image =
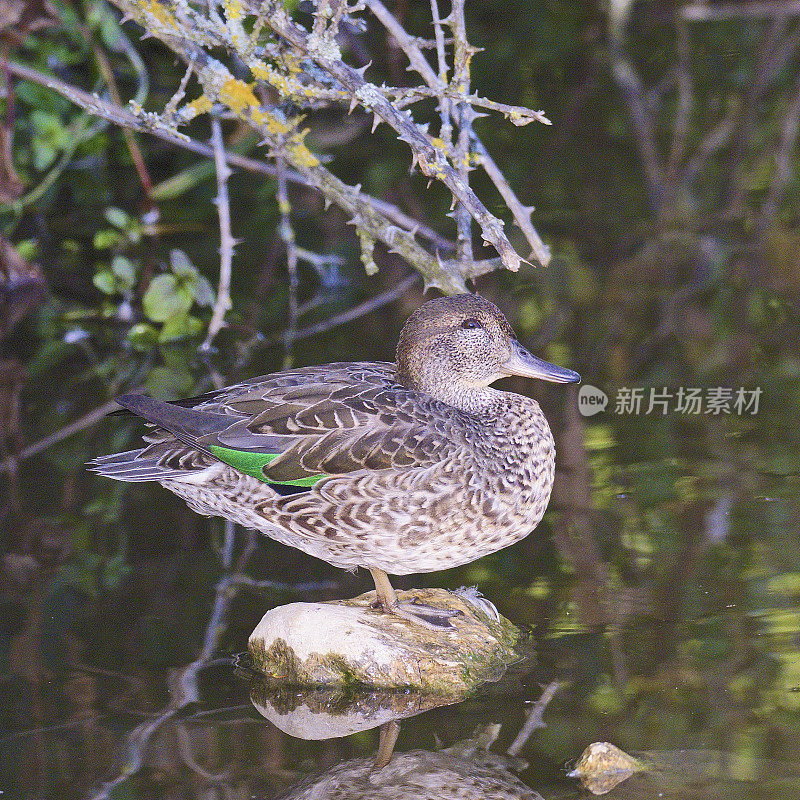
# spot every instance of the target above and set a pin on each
(419, 64)
(190, 33)
(226, 240)
(126, 119)
(462, 56)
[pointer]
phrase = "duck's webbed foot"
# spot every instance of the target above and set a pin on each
(430, 617)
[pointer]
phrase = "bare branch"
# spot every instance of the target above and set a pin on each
(522, 214)
(680, 129)
(86, 421)
(783, 157)
(124, 118)
(462, 58)
(307, 67)
(535, 717)
(380, 215)
(713, 142)
(420, 64)
(630, 86)
(226, 240)
(431, 160)
(286, 233)
(362, 309)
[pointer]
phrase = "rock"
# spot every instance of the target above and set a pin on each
(602, 766)
(348, 642)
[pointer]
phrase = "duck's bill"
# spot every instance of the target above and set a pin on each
(526, 365)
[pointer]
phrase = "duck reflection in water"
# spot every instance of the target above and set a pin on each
(468, 769)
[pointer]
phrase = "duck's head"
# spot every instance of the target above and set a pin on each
(452, 346)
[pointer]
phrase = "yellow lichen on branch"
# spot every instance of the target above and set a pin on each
(238, 95)
(160, 13)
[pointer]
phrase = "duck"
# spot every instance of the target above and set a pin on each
(400, 468)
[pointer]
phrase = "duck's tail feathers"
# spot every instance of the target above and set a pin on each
(131, 467)
(187, 424)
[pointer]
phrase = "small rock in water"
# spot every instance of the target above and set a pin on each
(349, 642)
(602, 766)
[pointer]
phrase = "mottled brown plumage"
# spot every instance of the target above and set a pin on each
(401, 468)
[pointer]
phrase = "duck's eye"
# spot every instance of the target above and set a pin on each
(471, 323)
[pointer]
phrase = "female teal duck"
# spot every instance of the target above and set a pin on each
(401, 468)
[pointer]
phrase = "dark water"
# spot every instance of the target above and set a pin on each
(131, 680)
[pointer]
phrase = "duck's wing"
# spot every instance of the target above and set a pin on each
(295, 427)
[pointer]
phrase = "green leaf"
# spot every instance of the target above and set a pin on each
(48, 126)
(124, 270)
(165, 298)
(181, 266)
(105, 282)
(29, 249)
(164, 383)
(117, 217)
(179, 327)
(143, 336)
(107, 238)
(43, 155)
(40, 97)
(203, 292)
(134, 231)
(177, 356)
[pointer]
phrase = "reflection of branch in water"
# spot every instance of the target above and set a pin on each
(187, 756)
(535, 717)
(185, 690)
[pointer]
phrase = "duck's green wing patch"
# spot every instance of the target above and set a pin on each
(255, 463)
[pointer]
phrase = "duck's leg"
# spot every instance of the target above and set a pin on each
(388, 738)
(427, 616)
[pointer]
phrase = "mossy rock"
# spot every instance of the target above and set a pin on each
(350, 643)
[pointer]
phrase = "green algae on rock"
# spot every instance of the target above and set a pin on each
(349, 642)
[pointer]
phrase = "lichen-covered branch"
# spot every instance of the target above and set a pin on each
(305, 66)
